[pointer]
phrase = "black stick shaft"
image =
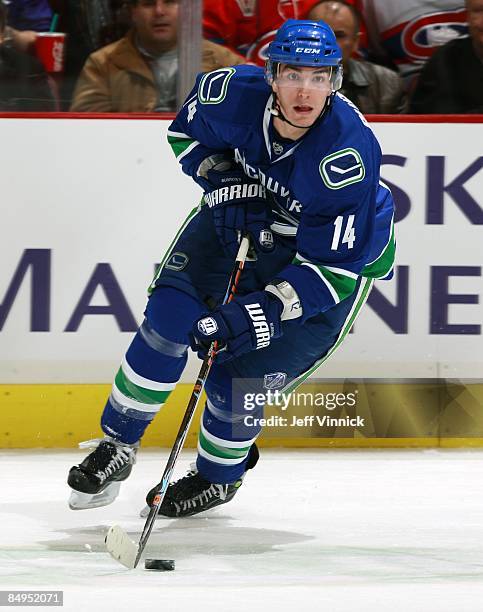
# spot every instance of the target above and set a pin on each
(191, 408)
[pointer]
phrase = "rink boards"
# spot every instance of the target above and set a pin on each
(413, 414)
(91, 205)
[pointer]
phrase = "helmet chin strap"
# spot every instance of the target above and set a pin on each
(276, 111)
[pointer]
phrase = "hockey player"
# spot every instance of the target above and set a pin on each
(283, 157)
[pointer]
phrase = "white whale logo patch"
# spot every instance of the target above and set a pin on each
(342, 168)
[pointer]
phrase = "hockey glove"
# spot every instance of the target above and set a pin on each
(246, 324)
(239, 205)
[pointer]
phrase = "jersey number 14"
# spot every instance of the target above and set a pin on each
(349, 233)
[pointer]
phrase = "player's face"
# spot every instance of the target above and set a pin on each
(341, 20)
(156, 23)
(475, 24)
(302, 92)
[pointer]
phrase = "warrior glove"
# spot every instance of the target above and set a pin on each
(246, 324)
(239, 206)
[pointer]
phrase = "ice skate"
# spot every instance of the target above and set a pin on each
(193, 494)
(97, 480)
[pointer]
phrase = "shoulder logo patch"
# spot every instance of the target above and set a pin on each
(214, 85)
(342, 168)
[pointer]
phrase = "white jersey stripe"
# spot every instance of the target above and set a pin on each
(128, 402)
(179, 135)
(342, 272)
(145, 383)
(221, 460)
(188, 150)
(225, 443)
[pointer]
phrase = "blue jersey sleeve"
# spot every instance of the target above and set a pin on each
(344, 230)
(215, 118)
(193, 139)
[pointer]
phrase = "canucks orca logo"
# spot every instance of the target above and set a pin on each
(214, 86)
(177, 261)
(342, 168)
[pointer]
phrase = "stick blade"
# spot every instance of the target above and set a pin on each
(121, 547)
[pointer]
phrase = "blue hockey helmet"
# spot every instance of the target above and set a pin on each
(305, 43)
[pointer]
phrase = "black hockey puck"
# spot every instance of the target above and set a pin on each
(162, 565)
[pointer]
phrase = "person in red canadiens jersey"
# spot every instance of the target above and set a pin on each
(407, 33)
(452, 79)
(248, 26)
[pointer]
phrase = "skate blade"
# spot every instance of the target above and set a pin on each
(84, 501)
(121, 547)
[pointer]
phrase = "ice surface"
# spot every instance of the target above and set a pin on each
(324, 530)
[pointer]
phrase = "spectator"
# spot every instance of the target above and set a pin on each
(29, 15)
(22, 40)
(247, 27)
(24, 19)
(404, 34)
(372, 88)
(24, 86)
(138, 72)
(89, 25)
(452, 80)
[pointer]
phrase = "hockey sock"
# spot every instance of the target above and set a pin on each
(223, 456)
(152, 366)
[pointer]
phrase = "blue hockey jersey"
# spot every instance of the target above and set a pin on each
(325, 187)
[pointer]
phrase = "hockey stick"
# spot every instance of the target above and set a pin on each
(118, 543)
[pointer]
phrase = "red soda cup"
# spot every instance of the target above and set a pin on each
(50, 49)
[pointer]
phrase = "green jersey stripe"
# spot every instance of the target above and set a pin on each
(217, 459)
(318, 271)
(338, 283)
(343, 285)
(223, 452)
(219, 441)
(179, 145)
(384, 263)
(140, 394)
(360, 300)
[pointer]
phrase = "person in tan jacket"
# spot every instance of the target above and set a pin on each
(138, 72)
